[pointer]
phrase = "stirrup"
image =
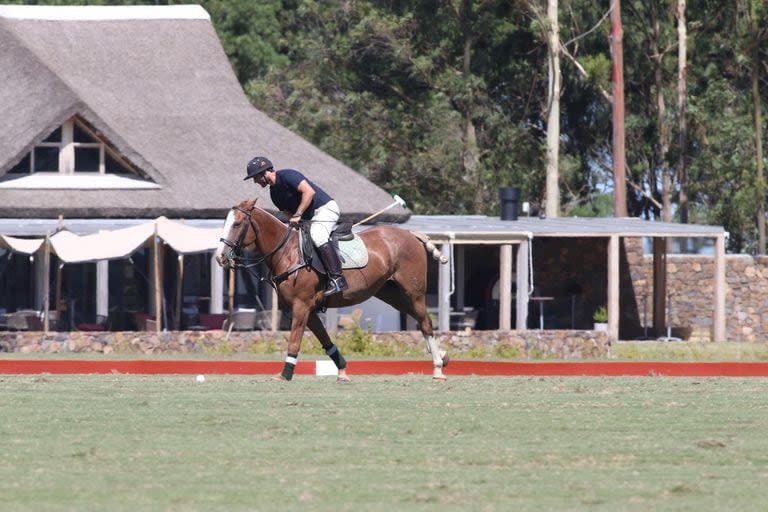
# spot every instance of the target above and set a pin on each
(335, 285)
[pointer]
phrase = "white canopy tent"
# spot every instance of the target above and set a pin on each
(113, 245)
(20, 245)
(118, 243)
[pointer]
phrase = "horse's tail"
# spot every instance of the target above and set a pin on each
(430, 247)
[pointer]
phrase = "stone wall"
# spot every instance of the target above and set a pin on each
(690, 284)
(549, 344)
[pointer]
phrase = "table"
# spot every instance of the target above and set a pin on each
(541, 301)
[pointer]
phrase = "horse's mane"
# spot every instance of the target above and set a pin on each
(250, 204)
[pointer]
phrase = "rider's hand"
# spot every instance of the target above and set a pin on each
(294, 222)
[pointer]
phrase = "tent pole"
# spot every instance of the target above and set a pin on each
(59, 310)
(59, 266)
(46, 282)
(158, 298)
(179, 291)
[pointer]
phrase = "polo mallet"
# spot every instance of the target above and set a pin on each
(398, 201)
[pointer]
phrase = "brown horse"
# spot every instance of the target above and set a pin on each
(396, 273)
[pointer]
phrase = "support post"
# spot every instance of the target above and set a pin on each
(458, 252)
(157, 281)
(179, 291)
(614, 242)
(720, 330)
(57, 293)
(37, 280)
(102, 288)
(444, 292)
(46, 283)
(217, 287)
(505, 287)
(523, 271)
(659, 285)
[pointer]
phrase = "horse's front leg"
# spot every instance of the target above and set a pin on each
(298, 324)
(318, 329)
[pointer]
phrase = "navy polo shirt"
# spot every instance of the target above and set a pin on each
(286, 196)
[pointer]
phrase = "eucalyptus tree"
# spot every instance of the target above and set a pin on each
(434, 100)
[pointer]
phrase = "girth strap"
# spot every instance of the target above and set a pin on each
(282, 277)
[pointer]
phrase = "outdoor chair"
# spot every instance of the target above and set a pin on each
(212, 321)
(144, 321)
(17, 322)
(100, 325)
(242, 321)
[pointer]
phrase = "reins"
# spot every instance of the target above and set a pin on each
(240, 261)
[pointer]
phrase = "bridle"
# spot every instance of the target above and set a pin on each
(235, 253)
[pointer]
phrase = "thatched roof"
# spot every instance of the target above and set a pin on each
(155, 84)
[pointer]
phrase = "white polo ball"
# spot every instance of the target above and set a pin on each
(200, 378)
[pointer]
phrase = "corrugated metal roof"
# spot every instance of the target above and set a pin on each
(479, 228)
(459, 228)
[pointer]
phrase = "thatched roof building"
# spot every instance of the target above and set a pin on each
(133, 111)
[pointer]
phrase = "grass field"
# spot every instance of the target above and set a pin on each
(125, 442)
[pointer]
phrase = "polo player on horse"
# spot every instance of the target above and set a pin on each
(301, 199)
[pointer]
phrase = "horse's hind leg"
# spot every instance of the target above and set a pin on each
(415, 305)
(318, 329)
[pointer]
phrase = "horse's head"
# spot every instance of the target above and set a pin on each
(239, 232)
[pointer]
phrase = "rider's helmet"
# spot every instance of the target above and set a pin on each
(256, 166)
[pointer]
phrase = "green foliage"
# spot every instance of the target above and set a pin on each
(389, 93)
(476, 352)
(250, 34)
(222, 347)
(356, 340)
(507, 351)
(264, 346)
(600, 315)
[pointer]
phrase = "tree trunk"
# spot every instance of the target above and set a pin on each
(682, 73)
(758, 118)
(661, 121)
(553, 114)
(470, 149)
(617, 54)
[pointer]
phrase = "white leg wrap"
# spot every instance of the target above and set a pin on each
(437, 359)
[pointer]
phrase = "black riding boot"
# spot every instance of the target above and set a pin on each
(336, 281)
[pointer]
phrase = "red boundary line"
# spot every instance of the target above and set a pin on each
(488, 368)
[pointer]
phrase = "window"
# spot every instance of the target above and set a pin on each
(73, 148)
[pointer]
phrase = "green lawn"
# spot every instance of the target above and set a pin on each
(122, 442)
(690, 351)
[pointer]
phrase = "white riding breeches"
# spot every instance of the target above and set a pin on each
(323, 222)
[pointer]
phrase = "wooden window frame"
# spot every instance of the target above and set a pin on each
(67, 147)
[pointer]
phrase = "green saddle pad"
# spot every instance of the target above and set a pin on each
(353, 253)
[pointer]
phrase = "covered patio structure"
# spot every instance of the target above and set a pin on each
(517, 243)
(454, 233)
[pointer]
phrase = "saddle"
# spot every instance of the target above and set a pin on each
(351, 250)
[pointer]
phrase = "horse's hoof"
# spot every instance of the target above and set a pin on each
(278, 378)
(439, 378)
(343, 377)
